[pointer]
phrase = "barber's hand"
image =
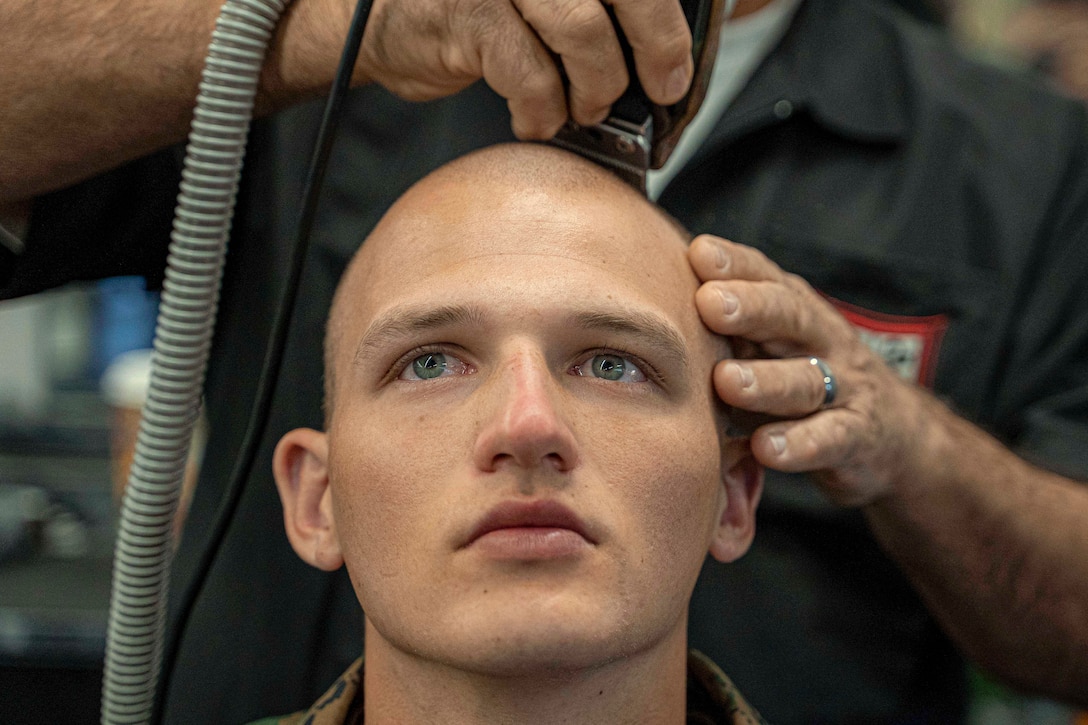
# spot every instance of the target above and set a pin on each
(862, 444)
(425, 49)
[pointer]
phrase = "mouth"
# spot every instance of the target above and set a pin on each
(530, 530)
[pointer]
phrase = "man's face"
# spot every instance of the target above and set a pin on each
(524, 457)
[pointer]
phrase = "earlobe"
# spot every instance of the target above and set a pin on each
(300, 467)
(742, 480)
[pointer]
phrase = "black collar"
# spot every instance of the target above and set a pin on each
(843, 63)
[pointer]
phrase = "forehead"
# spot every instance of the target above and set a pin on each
(491, 245)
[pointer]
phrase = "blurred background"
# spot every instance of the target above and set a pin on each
(59, 491)
(72, 370)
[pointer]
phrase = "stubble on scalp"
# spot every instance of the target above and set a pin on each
(517, 168)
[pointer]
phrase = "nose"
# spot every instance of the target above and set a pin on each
(522, 424)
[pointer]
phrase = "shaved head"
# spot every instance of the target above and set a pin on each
(539, 172)
(524, 461)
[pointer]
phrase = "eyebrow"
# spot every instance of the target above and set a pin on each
(401, 322)
(408, 321)
(649, 329)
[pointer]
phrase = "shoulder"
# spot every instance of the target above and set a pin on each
(337, 706)
(713, 698)
(947, 85)
(872, 72)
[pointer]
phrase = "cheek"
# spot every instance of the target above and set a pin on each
(380, 482)
(672, 488)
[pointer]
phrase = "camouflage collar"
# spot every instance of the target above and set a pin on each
(712, 699)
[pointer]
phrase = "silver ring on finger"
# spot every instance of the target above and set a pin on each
(831, 386)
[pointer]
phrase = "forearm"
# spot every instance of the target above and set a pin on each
(999, 551)
(87, 86)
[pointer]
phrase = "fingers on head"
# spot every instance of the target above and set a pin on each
(769, 314)
(714, 258)
(785, 388)
(824, 441)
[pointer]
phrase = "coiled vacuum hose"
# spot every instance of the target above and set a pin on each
(202, 221)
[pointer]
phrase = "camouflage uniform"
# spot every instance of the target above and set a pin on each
(712, 699)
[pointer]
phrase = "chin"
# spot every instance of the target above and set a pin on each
(555, 637)
(537, 651)
(541, 660)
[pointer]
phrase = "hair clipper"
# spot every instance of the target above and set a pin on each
(639, 135)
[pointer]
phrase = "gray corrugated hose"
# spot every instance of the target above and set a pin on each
(202, 221)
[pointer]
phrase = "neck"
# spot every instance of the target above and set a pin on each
(648, 688)
(747, 7)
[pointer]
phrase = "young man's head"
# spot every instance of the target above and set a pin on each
(524, 464)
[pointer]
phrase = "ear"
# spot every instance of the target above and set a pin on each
(300, 466)
(742, 484)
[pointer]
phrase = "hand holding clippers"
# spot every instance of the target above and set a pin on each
(639, 135)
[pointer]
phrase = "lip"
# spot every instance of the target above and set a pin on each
(530, 530)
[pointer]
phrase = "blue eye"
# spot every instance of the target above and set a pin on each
(431, 365)
(610, 366)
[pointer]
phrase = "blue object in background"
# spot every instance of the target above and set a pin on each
(124, 320)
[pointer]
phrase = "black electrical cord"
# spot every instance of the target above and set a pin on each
(258, 419)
